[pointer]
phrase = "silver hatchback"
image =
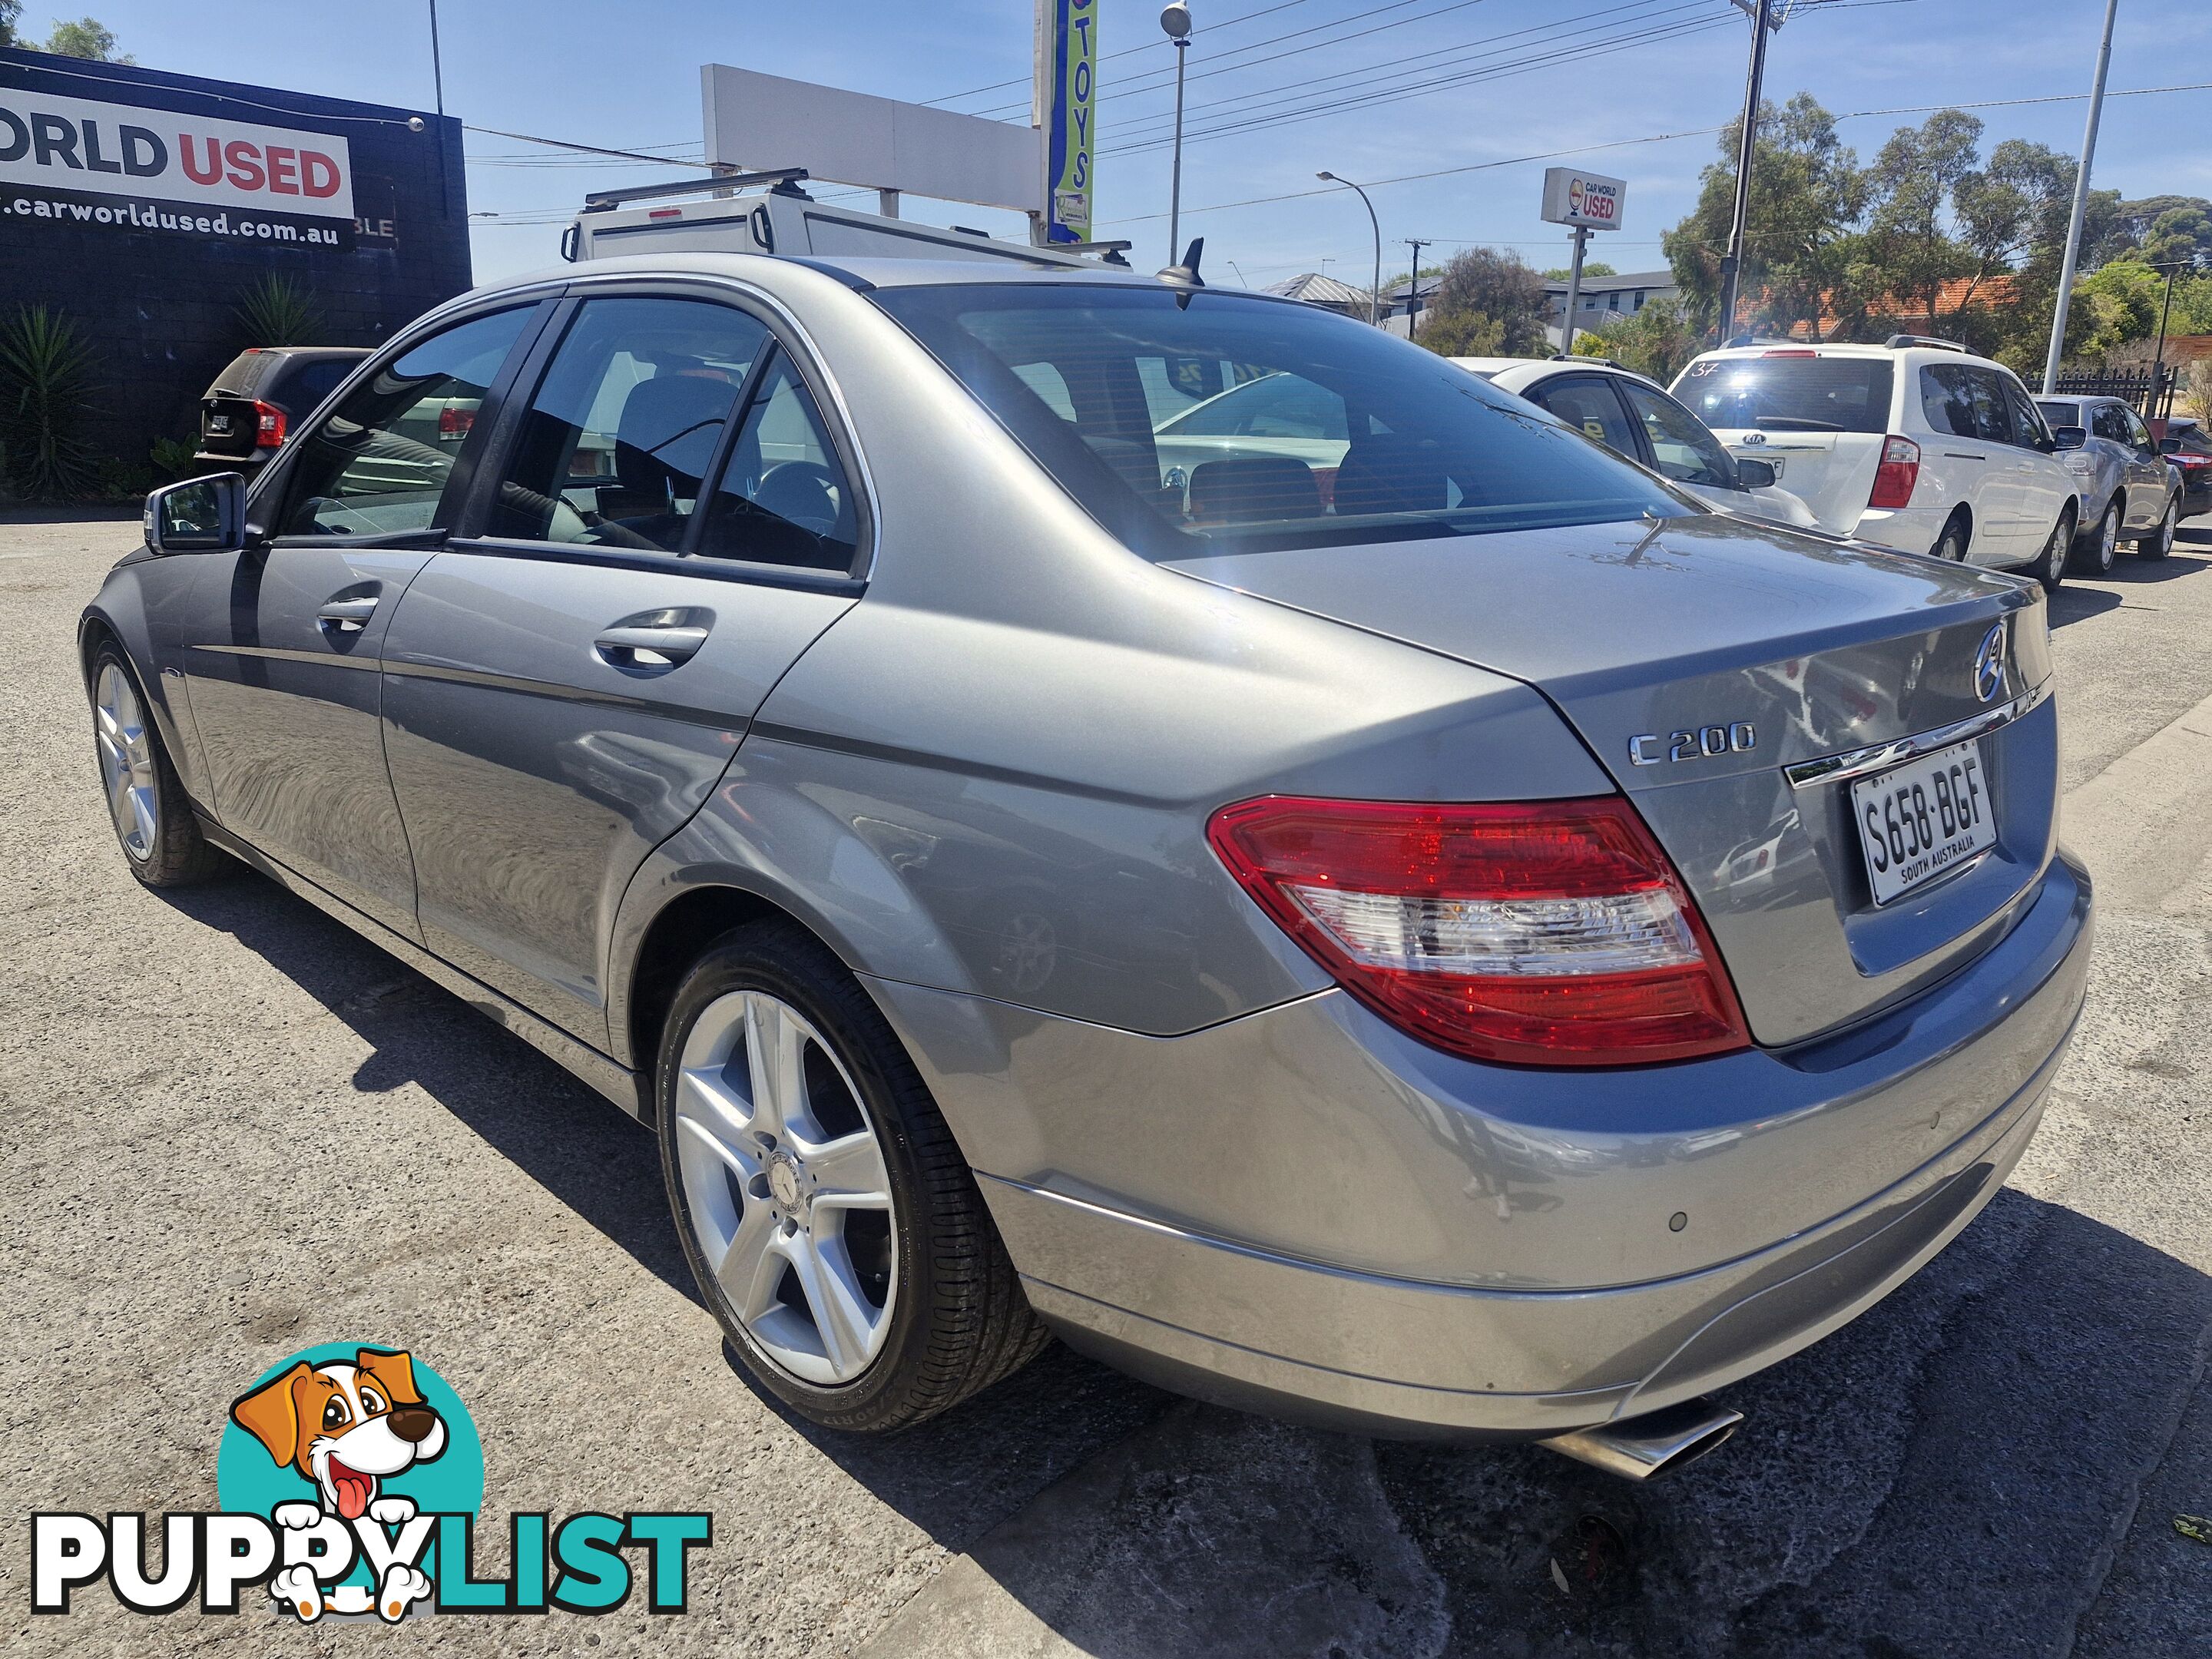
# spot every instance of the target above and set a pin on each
(1439, 934)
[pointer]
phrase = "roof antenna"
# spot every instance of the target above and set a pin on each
(1185, 276)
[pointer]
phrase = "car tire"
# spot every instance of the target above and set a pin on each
(2160, 542)
(2095, 553)
(2049, 566)
(147, 806)
(1952, 545)
(866, 1331)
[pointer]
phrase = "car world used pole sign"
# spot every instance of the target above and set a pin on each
(1585, 200)
(79, 159)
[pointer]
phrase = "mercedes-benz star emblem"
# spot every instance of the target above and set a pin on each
(1990, 663)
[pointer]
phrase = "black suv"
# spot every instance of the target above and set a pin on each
(264, 393)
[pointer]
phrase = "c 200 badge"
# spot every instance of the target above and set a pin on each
(349, 1479)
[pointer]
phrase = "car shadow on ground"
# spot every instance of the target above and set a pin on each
(954, 1476)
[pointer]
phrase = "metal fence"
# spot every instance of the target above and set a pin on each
(2135, 385)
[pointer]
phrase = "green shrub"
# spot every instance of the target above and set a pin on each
(45, 390)
(278, 312)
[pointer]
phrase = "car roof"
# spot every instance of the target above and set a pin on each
(858, 271)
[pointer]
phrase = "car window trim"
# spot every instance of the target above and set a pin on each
(274, 478)
(785, 335)
(744, 572)
(725, 444)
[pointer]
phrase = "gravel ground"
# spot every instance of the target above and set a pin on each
(232, 1129)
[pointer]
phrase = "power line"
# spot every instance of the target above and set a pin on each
(1544, 59)
(1226, 22)
(1271, 97)
(1662, 138)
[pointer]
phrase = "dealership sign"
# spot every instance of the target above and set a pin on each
(84, 148)
(1585, 200)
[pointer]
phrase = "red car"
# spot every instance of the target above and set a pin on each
(2181, 439)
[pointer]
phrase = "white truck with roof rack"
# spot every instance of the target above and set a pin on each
(770, 212)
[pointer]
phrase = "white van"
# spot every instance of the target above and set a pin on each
(1915, 444)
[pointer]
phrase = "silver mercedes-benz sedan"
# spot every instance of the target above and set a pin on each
(1432, 932)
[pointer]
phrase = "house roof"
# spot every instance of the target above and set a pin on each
(1317, 289)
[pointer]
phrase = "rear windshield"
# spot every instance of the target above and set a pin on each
(1234, 424)
(242, 373)
(1788, 394)
(2059, 414)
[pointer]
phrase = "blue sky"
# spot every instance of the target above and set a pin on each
(624, 73)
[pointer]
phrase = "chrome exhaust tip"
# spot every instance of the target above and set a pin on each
(1641, 1447)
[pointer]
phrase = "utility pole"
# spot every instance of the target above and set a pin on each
(2080, 206)
(1414, 300)
(1762, 20)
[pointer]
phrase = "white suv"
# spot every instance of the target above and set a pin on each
(1915, 444)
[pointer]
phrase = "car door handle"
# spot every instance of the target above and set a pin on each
(347, 615)
(650, 646)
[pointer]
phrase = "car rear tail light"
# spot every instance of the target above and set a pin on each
(268, 425)
(454, 423)
(1899, 472)
(1536, 933)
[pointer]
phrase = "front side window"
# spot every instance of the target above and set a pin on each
(783, 497)
(1327, 433)
(2136, 433)
(380, 465)
(1684, 450)
(2026, 421)
(626, 424)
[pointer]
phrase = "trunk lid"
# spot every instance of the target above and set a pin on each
(1663, 631)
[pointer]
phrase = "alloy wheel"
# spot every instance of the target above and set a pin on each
(788, 1196)
(2108, 540)
(127, 762)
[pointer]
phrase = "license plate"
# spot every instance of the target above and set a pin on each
(218, 422)
(1919, 821)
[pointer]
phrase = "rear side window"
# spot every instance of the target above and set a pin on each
(625, 426)
(1785, 392)
(1966, 402)
(1587, 404)
(783, 497)
(378, 465)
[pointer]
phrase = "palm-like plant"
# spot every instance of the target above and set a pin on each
(47, 367)
(278, 312)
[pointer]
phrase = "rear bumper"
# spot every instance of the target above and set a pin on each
(1908, 529)
(1242, 1231)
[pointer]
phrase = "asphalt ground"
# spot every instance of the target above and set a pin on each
(232, 1128)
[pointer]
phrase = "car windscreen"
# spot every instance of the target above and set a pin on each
(1212, 422)
(2059, 414)
(1788, 392)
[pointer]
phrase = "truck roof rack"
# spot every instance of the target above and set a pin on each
(1899, 341)
(784, 181)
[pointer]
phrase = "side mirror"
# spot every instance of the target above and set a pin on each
(1754, 475)
(2069, 437)
(2169, 446)
(200, 515)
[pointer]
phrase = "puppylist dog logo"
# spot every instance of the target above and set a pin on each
(349, 1479)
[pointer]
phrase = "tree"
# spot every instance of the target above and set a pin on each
(1657, 340)
(1591, 268)
(86, 38)
(9, 11)
(1908, 253)
(1806, 194)
(1489, 297)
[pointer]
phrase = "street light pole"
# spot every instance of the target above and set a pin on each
(1375, 294)
(1732, 265)
(437, 69)
(1175, 20)
(2080, 206)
